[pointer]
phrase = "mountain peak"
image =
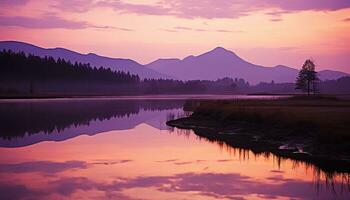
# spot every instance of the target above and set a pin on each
(221, 53)
(281, 67)
(220, 49)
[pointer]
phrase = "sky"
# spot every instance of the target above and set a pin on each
(264, 32)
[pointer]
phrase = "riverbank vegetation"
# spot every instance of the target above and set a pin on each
(297, 126)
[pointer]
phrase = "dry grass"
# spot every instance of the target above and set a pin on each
(325, 119)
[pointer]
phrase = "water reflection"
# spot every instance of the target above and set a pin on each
(324, 173)
(26, 123)
(134, 156)
(203, 185)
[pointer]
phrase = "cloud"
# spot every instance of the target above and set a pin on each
(207, 9)
(14, 2)
(169, 30)
(277, 13)
(15, 191)
(183, 163)
(222, 8)
(178, 8)
(134, 8)
(200, 30)
(218, 185)
(73, 5)
(279, 178)
(111, 27)
(302, 5)
(44, 22)
(223, 31)
(277, 171)
(51, 21)
(276, 19)
(42, 166)
(224, 160)
(111, 162)
(183, 28)
(67, 186)
(165, 161)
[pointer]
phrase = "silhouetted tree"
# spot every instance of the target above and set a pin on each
(307, 77)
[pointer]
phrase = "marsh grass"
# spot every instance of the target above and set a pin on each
(320, 126)
(325, 119)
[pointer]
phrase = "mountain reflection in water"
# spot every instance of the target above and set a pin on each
(122, 149)
(34, 121)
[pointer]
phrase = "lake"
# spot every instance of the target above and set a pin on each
(120, 148)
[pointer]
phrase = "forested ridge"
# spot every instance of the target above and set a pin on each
(34, 75)
(20, 67)
(29, 75)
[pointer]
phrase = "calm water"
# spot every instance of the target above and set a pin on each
(122, 149)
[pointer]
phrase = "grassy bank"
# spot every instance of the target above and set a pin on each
(327, 120)
(317, 127)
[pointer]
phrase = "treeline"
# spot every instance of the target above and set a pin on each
(220, 86)
(22, 74)
(339, 86)
(19, 67)
(29, 75)
(18, 119)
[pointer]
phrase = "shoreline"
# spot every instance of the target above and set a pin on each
(174, 96)
(314, 131)
(150, 97)
(243, 136)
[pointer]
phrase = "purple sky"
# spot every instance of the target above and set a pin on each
(266, 32)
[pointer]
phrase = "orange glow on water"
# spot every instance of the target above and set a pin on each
(148, 163)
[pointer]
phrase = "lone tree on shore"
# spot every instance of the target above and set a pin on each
(307, 77)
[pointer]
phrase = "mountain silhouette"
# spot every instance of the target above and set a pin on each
(331, 75)
(219, 63)
(117, 64)
(212, 65)
(28, 123)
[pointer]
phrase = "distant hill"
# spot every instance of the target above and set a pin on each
(24, 75)
(116, 64)
(331, 75)
(220, 62)
(215, 64)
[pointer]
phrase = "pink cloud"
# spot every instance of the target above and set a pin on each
(46, 22)
(205, 9)
(194, 9)
(111, 27)
(74, 5)
(223, 8)
(50, 21)
(237, 8)
(183, 28)
(225, 31)
(134, 8)
(276, 19)
(299, 5)
(13, 2)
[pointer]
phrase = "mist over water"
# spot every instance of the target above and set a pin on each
(122, 149)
